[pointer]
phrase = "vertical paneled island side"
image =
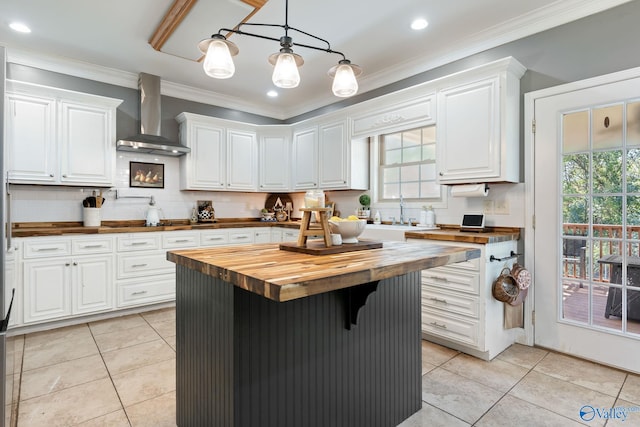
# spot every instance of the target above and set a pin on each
(267, 337)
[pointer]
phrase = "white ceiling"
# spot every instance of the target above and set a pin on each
(73, 36)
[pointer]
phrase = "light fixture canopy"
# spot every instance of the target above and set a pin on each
(218, 61)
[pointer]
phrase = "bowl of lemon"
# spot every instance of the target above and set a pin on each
(348, 228)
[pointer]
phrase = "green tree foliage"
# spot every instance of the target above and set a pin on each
(608, 194)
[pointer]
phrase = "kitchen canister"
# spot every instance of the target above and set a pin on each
(91, 217)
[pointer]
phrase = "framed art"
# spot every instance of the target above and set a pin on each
(146, 175)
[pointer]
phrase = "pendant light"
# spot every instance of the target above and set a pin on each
(218, 61)
(344, 76)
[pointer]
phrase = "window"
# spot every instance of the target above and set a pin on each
(407, 165)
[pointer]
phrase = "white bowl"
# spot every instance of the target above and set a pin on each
(349, 230)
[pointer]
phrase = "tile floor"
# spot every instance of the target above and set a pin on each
(121, 372)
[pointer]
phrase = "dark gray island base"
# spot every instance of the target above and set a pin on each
(348, 356)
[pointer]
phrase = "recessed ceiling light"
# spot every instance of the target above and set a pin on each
(419, 24)
(19, 27)
(272, 93)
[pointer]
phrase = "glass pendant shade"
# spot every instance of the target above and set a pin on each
(344, 82)
(218, 63)
(285, 73)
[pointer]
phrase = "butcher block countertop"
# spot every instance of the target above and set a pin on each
(31, 229)
(281, 276)
(453, 234)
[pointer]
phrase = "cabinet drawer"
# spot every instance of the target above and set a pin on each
(452, 279)
(451, 302)
(139, 292)
(172, 241)
(471, 265)
(450, 327)
(238, 237)
(144, 265)
(213, 238)
(45, 248)
(138, 242)
(92, 246)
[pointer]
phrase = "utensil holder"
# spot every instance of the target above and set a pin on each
(92, 217)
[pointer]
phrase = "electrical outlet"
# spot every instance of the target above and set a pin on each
(487, 207)
(502, 207)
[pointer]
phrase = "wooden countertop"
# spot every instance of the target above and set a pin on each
(280, 275)
(32, 229)
(452, 234)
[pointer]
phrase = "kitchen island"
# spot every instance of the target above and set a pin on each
(267, 337)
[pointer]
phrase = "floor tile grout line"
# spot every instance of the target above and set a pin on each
(110, 377)
(18, 400)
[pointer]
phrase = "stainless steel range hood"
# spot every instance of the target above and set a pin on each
(149, 139)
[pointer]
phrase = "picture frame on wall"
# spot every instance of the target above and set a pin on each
(146, 175)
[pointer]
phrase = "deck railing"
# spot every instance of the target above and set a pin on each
(608, 240)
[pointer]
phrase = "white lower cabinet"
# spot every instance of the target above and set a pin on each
(64, 277)
(458, 309)
(290, 235)
(144, 275)
(142, 290)
(61, 280)
(262, 235)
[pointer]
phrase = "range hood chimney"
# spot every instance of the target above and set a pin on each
(149, 139)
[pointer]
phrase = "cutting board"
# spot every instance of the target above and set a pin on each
(317, 247)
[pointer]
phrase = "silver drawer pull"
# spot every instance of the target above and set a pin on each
(442, 279)
(182, 241)
(137, 243)
(215, 238)
(241, 237)
(438, 325)
(138, 265)
(138, 293)
(92, 246)
(47, 249)
(444, 301)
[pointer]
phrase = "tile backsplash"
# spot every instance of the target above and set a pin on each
(31, 203)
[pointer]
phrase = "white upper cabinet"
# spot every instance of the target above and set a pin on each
(478, 125)
(59, 137)
(343, 163)
(325, 157)
(274, 158)
(224, 155)
(242, 160)
(304, 160)
(204, 168)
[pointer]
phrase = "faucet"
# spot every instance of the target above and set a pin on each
(401, 210)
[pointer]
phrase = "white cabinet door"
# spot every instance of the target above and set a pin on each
(469, 132)
(305, 159)
(242, 160)
(31, 150)
(47, 288)
(274, 155)
(86, 144)
(59, 137)
(204, 168)
(92, 281)
(334, 155)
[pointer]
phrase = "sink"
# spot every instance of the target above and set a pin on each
(389, 232)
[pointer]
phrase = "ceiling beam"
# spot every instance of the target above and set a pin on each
(174, 16)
